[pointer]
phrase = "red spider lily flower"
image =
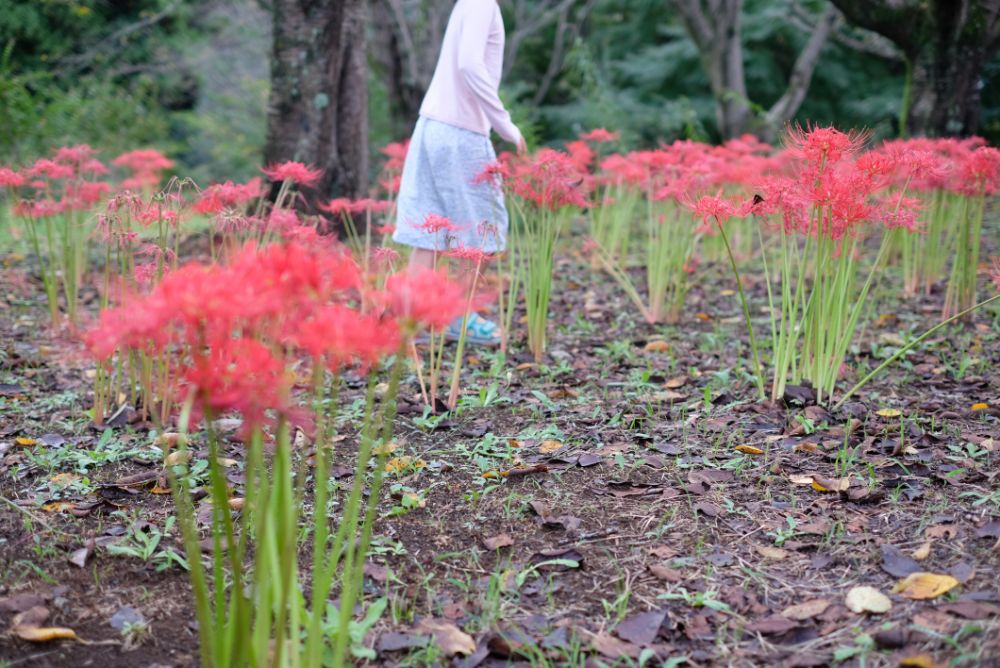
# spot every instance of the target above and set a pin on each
(283, 219)
(981, 171)
(495, 172)
(434, 223)
(385, 256)
(824, 145)
(470, 254)
(338, 206)
(73, 154)
(144, 161)
(549, 179)
(85, 194)
(343, 336)
(369, 205)
(396, 154)
(94, 167)
(243, 375)
(424, 297)
(219, 196)
(296, 172)
(11, 179)
(50, 169)
(391, 183)
(155, 213)
(600, 135)
(386, 230)
(581, 154)
(712, 206)
(44, 208)
(307, 235)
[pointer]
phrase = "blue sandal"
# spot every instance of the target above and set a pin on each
(478, 331)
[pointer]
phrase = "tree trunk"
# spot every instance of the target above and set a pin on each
(318, 108)
(947, 44)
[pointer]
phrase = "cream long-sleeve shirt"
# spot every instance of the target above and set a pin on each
(464, 89)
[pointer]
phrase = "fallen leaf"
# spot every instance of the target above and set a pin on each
(448, 637)
(236, 503)
(867, 599)
(80, 556)
(941, 531)
(178, 457)
(920, 586)
(25, 441)
(658, 346)
(666, 573)
(922, 552)
(496, 542)
(799, 479)
(43, 633)
(641, 629)
(970, 609)
(979, 406)
(917, 661)
(668, 396)
(58, 507)
(770, 552)
(548, 447)
(896, 563)
(889, 412)
(613, 648)
(676, 382)
(773, 625)
(170, 440)
(806, 609)
(748, 450)
(822, 484)
(385, 449)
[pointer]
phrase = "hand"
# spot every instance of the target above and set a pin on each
(522, 146)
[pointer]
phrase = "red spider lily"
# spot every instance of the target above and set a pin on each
(85, 194)
(44, 208)
(307, 235)
(434, 223)
(144, 161)
(472, 255)
(338, 206)
(600, 135)
(282, 219)
(386, 230)
(221, 196)
(342, 336)
(156, 212)
(581, 154)
(424, 297)
(712, 206)
(50, 169)
(822, 145)
(11, 179)
(385, 256)
(94, 167)
(396, 154)
(981, 171)
(550, 179)
(391, 183)
(494, 172)
(369, 205)
(73, 154)
(296, 172)
(240, 374)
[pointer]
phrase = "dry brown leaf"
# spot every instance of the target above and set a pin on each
(668, 396)
(799, 479)
(496, 542)
(867, 599)
(920, 586)
(178, 457)
(806, 609)
(170, 440)
(749, 450)
(658, 346)
(43, 633)
(822, 484)
(922, 552)
(58, 507)
(448, 637)
(674, 383)
(236, 503)
(548, 447)
(771, 552)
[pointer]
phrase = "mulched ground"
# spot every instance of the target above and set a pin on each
(667, 517)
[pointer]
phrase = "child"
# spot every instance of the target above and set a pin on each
(451, 146)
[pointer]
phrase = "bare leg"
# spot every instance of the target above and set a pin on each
(421, 258)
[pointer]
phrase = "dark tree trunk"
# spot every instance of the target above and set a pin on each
(947, 43)
(318, 109)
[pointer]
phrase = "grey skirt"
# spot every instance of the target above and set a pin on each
(439, 177)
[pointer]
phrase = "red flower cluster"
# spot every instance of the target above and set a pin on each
(236, 330)
(549, 179)
(295, 172)
(217, 197)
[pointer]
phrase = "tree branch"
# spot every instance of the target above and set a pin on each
(867, 42)
(695, 22)
(802, 72)
(566, 33)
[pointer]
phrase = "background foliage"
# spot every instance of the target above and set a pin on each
(191, 77)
